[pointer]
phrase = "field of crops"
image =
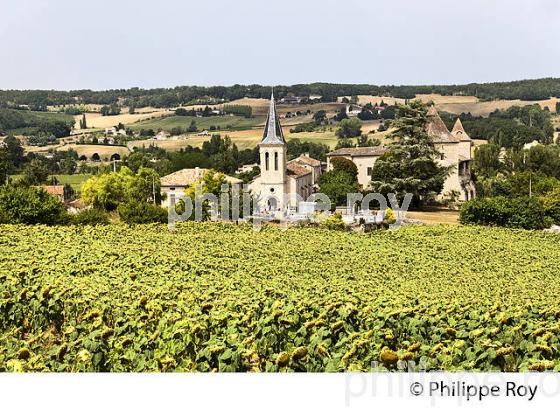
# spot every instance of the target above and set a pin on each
(226, 122)
(213, 297)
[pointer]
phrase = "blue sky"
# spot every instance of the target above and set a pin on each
(100, 44)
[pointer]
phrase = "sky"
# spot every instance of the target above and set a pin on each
(105, 44)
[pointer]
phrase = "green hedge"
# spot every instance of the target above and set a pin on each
(29, 205)
(523, 212)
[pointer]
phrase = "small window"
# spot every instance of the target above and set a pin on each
(266, 161)
(369, 170)
(276, 161)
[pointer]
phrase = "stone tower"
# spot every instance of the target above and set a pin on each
(272, 149)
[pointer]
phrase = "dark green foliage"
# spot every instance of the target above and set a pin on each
(172, 97)
(243, 110)
(522, 212)
(142, 213)
(349, 128)
(410, 165)
(337, 185)
(35, 172)
(29, 205)
(320, 117)
(306, 127)
(55, 124)
(508, 128)
(486, 161)
(112, 109)
(345, 165)
(295, 148)
(90, 217)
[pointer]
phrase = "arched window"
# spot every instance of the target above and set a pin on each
(266, 161)
(276, 161)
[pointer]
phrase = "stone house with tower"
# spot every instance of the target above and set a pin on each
(455, 151)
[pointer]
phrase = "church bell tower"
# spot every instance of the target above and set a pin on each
(272, 149)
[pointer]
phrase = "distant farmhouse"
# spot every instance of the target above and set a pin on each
(454, 147)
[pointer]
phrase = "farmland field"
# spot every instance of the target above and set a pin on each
(223, 297)
(224, 122)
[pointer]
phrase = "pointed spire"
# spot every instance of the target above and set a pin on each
(272, 130)
(459, 131)
(436, 127)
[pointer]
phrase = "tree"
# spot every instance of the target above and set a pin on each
(15, 150)
(345, 165)
(349, 127)
(336, 185)
(341, 115)
(410, 164)
(486, 162)
(344, 143)
(29, 205)
(5, 165)
(320, 117)
(192, 127)
(364, 141)
(35, 172)
(108, 191)
(83, 123)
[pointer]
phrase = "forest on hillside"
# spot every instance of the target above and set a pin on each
(38, 100)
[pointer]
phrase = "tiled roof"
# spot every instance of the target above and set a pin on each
(436, 128)
(189, 176)
(54, 189)
(459, 131)
(307, 160)
(296, 170)
(359, 152)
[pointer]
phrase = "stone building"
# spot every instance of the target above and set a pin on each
(280, 180)
(455, 151)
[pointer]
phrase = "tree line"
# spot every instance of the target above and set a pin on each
(171, 97)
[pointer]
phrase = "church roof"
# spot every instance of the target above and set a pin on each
(359, 152)
(272, 130)
(459, 131)
(436, 128)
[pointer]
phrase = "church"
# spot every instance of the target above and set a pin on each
(282, 184)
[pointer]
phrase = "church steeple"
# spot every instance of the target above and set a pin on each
(272, 130)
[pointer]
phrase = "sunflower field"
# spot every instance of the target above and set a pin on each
(219, 297)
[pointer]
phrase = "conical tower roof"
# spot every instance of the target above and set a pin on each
(272, 130)
(436, 128)
(459, 131)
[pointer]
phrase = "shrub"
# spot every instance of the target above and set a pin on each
(551, 205)
(91, 217)
(142, 213)
(334, 222)
(29, 205)
(522, 212)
